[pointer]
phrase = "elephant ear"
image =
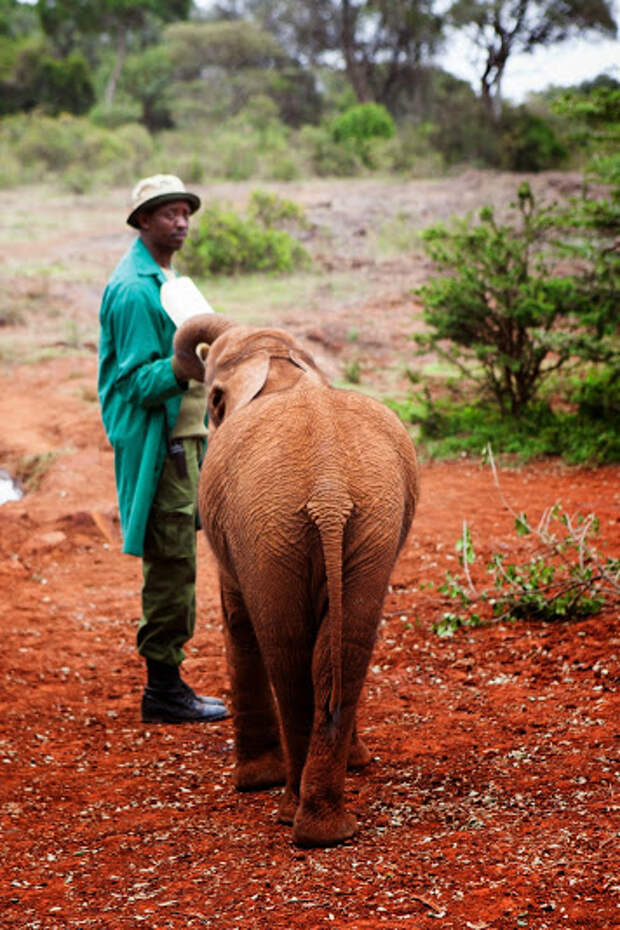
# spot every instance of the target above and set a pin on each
(307, 364)
(235, 388)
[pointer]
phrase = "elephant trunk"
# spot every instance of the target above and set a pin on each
(204, 328)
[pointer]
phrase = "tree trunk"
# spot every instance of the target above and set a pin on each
(354, 72)
(121, 53)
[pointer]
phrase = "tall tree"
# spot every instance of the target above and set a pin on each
(114, 21)
(16, 19)
(375, 41)
(501, 28)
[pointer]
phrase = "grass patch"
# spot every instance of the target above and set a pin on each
(398, 236)
(565, 577)
(31, 469)
(447, 429)
(257, 300)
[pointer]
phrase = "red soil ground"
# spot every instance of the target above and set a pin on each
(489, 802)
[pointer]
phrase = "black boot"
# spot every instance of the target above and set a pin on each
(168, 699)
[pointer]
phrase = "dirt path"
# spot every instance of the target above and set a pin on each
(489, 799)
(489, 802)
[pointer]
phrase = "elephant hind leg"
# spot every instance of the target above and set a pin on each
(321, 818)
(265, 771)
(359, 753)
(259, 759)
(311, 832)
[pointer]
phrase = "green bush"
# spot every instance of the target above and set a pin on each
(73, 147)
(597, 395)
(564, 579)
(507, 314)
(65, 85)
(237, 155)
(359, 126)
(272, 210)
(224, 242)
(409, 152)
(363, 122)
(530, 143)
(448, 427)
(119, 113)
(325, 157)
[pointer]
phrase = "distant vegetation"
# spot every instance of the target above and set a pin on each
(224, 242)
(95, 93)
(526, 314)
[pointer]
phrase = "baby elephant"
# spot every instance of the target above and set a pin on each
(306, 495)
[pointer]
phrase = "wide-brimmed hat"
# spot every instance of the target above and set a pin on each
(160, 188)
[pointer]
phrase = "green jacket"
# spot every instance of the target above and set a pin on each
(136, 383)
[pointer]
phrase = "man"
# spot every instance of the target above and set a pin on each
(155, 422)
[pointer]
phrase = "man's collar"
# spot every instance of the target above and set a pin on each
(144, 261)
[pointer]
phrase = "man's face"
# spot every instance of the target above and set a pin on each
(167, 226)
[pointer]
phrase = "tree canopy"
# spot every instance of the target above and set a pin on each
(376, 42)
(67, 21)
(312, 59)
(501, 28)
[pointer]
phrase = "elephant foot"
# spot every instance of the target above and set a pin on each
(359, 754)
(266, 771)
(325, 831)
(288, 807)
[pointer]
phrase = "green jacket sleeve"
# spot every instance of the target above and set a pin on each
(144, 378)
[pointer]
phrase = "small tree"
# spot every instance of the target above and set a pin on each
(146, 78)
(359, 125)
(506, 315)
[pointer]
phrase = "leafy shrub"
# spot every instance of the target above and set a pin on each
(594, 127)
(65, 85)
(326, 158)
(11, 170)
(362, 122)
(530, 143)
(565, 579)
(281, 165)
(224, 242)
(140, 144)
(114, 115)
(358, 126)
(72, 148)
(272, 210)
(77, 180)
(57, 143)
(504, 314)
(408, 152)
(235, 156)
(449, 427)
(597, 395)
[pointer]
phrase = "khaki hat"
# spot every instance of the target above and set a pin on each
(150, 192)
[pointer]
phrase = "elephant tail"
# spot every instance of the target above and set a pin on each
(330, 524)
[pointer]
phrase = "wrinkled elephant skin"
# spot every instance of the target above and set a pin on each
(307, 494)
